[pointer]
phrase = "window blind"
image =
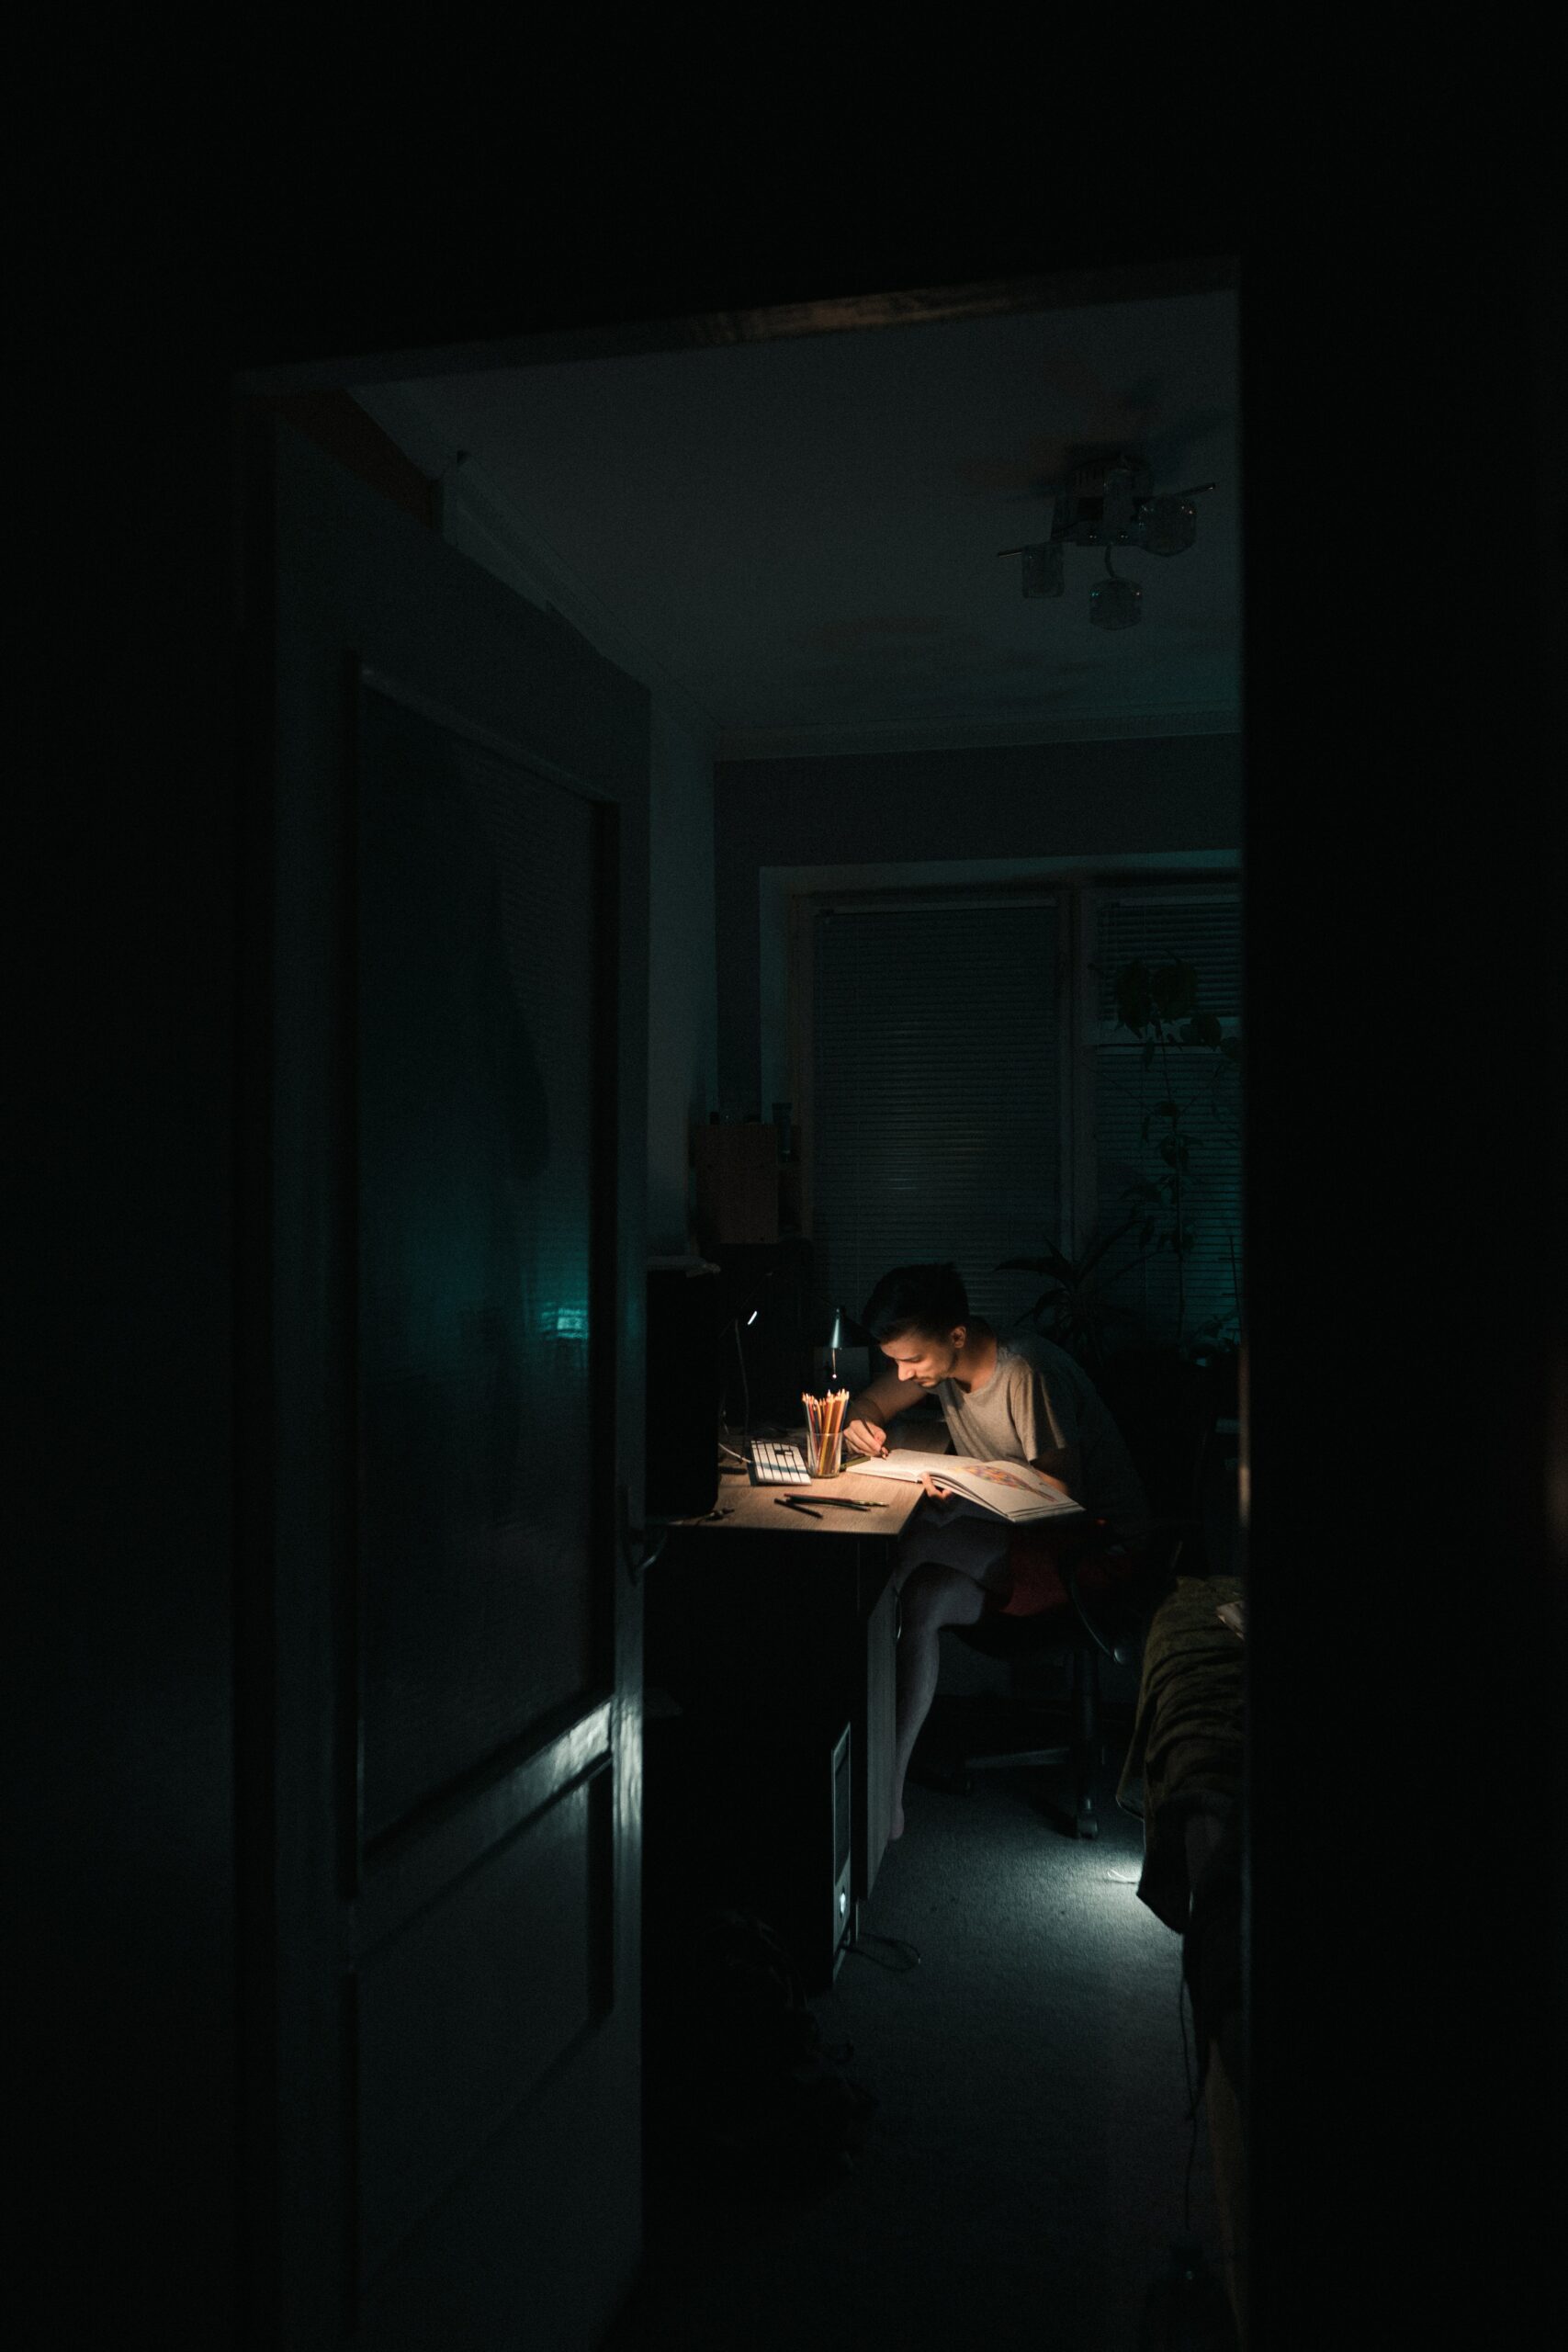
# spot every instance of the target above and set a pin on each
(937, 1111)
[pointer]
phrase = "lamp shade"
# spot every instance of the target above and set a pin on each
(841, 1330)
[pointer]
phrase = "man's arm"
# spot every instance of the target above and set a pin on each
(1064, 1465)
(866, 1415)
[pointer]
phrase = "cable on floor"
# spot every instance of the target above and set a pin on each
(909, 1955)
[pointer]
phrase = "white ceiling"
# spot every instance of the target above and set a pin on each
(797, 540)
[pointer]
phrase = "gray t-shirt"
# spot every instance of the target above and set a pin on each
(1038, 1399)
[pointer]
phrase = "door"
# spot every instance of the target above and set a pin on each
(440, 1640)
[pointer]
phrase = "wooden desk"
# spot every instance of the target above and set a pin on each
(776, 1626)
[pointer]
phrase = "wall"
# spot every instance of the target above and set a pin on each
(1084, 803)
(124, 1404)
(682, 993)
(477, 517)
(1385, 1972)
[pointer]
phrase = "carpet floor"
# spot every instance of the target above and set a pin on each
(1028, 2163)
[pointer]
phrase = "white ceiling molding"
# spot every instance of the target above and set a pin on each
(480, 521)
(938, 735)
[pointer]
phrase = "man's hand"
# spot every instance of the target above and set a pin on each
(933, 1486)
(866, 1437)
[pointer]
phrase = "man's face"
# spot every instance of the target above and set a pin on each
(925, 1357)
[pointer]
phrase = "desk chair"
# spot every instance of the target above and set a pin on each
(1165, 1409)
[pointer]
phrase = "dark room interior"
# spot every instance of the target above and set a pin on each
(582, 805)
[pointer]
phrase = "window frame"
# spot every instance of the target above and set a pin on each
(1077, 897)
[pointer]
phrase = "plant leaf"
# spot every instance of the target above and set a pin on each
(1093, 1256)
(1133, 996)
(1174, 987)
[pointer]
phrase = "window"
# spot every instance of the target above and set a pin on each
(936, 1092)
(1172, 1296)
(972, 1097)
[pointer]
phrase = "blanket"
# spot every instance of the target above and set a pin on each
(1184, 1762)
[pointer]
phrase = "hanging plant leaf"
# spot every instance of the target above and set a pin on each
(1133, 996)
(1093, 1256)
(1174, 987)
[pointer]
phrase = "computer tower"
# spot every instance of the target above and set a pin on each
(803, 1811)
(684, 1386)
(757, 1819)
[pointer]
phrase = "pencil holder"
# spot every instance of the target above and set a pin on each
(824, 1432)
(825, 1457)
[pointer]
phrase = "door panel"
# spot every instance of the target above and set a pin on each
(463, 2012)
(441, 1757)
(480, 1020)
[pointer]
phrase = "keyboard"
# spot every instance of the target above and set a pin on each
(775, 1462)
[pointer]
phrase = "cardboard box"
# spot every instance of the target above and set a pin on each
(738, 1183)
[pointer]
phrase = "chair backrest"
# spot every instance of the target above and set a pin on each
(1166, 1407)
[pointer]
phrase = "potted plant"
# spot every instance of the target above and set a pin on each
(1075, 1310)
(1158, 1003)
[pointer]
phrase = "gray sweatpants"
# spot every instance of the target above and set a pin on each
(959, 1536)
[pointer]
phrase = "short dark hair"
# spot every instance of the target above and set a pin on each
(930, 1299)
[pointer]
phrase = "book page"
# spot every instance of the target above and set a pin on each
(1011, 1489)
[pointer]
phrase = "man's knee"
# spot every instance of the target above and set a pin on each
(936, 1595)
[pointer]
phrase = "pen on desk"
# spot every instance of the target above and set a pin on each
(787, 1502)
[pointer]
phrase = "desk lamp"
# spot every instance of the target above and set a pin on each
(740, 1322)
(844, 1337)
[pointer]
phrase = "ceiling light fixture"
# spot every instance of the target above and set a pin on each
(1110, 503)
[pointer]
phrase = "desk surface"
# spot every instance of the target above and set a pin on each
(746, 1505)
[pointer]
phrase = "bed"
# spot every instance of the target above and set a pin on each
(1183, 1777)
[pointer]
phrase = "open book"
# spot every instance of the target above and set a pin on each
(1009, 1488)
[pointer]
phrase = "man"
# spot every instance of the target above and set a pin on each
(1002, 1400)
